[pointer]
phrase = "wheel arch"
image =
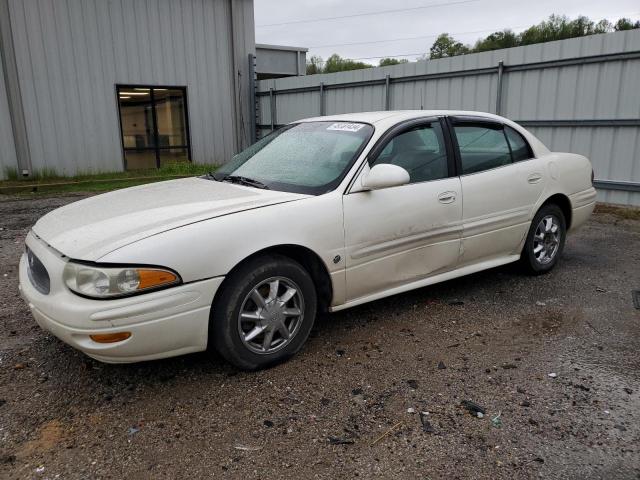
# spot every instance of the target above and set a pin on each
(562, 201)
(306, 257)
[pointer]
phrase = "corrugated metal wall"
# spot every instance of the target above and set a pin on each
(70, 54)
(553, 100)
(8, 157)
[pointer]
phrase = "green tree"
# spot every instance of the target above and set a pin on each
(496, 41)
(335, 63)
(385, 62)
(314, 65)
(626, 24)
(603, 26)
(446, 46)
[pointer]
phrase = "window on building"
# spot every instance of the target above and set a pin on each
(154, 126)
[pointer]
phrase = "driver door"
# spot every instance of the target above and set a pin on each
(399, 235)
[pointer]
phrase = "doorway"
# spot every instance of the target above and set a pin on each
(154, 126)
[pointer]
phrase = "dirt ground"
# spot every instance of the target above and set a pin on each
(492, 338)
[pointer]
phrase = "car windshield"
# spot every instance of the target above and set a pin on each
(308, 157)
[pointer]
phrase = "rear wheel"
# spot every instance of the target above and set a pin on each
(545, 240)
(264, 312)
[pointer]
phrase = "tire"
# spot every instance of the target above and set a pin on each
(534, 260)
(242, 342)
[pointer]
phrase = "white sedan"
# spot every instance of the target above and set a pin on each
(323, 214)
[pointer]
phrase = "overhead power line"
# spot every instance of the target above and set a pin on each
(365, 14)
(398, 39)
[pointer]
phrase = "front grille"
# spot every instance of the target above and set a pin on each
(38, 273)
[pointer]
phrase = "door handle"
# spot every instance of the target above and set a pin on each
(447, 197)
(534, 178)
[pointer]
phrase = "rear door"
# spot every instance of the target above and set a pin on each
(501, 183)
(399, 235)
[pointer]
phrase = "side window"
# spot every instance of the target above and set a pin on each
(482, 147)
(420, 151)
(520, 149)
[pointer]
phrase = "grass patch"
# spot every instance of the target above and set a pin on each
(625, 213)
(48, 181)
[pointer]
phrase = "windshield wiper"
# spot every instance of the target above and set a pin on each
(245, 181)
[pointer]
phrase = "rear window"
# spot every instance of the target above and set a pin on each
(520, 149)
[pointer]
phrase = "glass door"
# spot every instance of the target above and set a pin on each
(154, 125)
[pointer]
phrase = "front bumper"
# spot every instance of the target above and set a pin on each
(162, 324)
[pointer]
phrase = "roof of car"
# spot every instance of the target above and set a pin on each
(386, 119)
(395, 116)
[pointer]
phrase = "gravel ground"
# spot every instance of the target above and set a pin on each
(492, 338)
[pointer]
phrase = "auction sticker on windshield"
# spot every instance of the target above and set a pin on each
(346, 127)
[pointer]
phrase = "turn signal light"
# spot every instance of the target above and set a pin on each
(110, 337)
(155, 278)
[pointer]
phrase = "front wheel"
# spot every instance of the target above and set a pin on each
(545, 240)
(264, 312)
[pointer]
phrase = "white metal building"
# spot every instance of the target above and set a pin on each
(107, 85)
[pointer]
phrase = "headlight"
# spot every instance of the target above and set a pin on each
(107, 282)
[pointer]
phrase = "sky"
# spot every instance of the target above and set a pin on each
(407, 28)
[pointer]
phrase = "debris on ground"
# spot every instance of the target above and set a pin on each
(411, 410)
(340, 441)
(496, 421)
(413, 384)
(386, 433)
(479, 414)
(509, 366)
(473, 407)
(268, 423)
(525, 403)
(133, 430)
(40, 469)
(579, 386)
(441, 365)
(247, 448)
(540, 304)
(426, 425)
(628, 390)
(552, 375)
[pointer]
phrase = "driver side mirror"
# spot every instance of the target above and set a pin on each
(384, 175)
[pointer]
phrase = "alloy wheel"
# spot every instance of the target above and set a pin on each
(271, 314)
(546, 240)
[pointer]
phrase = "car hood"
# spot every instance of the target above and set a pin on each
(91, 228)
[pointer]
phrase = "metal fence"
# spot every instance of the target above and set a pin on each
(580, 95)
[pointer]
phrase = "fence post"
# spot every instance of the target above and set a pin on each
(387, 101)
(322, 99)
(499, 88)
(272, 108)
(255, 107)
